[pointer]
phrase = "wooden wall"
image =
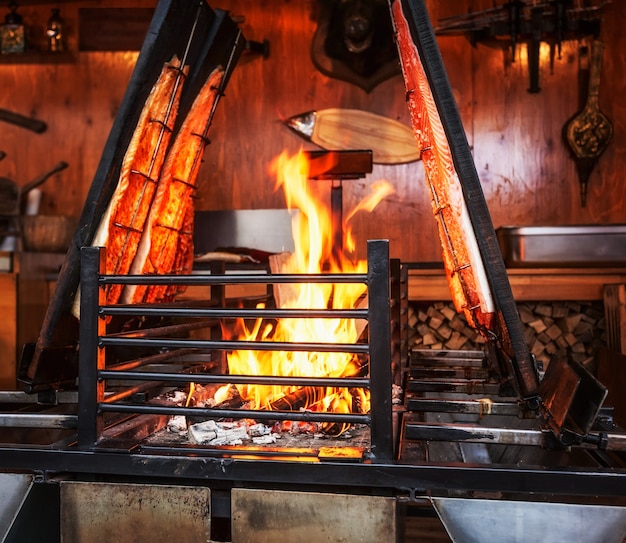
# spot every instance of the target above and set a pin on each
(527, 174)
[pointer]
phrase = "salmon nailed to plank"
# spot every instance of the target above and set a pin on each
(464, 267)
(166, 245)
(121, 226)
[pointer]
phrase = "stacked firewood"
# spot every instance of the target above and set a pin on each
(573, 330)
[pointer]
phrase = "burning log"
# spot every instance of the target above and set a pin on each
(299, 399)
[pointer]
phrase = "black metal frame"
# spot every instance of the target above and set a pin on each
(94, 341)
(85, 455)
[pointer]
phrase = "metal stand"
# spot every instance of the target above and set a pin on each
(338, 166)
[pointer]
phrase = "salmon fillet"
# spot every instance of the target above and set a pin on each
(464, 267)
(166, 244)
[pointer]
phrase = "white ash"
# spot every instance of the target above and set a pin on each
(203, 432)
(211, 432)
(177, 424)
(396, 394)
(178, 397)
(267, 439)
(258, 430)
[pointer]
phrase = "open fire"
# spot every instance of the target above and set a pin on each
(313, 239)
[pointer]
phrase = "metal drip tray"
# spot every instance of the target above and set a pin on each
(561, 246)
(485, 521)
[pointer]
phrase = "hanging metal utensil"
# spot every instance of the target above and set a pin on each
(588, 133)
(34, 125)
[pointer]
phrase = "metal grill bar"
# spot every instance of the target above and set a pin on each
(476, 407)
(379, 292)
(238, 379)
(477, 434)
(38, 420)
(235, 313)
(120, 340)
(308, 416)
(240, 279)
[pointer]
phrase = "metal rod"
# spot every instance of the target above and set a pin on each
(172, 329)
(38, 420)
(308, 416)
(236, 345)
(481, 407)
(477, 434)
(234, 451)
(235, 313)
(448, 372)
(415, 479)
(57, 397)
(153, 359)
(89, 422)
(459, 386)
(379, 306)
(336, 214)
(356, 382)
(446, 358)
(142, 387)
(236, 279)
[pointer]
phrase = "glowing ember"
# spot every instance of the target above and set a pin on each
(312, 232)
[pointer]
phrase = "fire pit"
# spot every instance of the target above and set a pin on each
(187, 355)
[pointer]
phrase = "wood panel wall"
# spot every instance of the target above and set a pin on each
(527, 174)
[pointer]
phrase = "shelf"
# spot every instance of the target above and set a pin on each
(540, 284)
(39, 57)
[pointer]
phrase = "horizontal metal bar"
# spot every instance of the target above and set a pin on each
(234, 279)
(361, 348)
(45, 398)
(476, 434)
(615, 442)
(353, 382)
(457, 386)
(307, 416)
(234, 451)
(168, 330)
(179, 355)
(447, 372)
(418, 478)
(234, 313)
(429, 357)
(484, 406)
(37, 420)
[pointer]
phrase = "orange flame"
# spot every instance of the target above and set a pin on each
(312, 232)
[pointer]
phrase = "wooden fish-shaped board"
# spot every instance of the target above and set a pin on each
(336, 129)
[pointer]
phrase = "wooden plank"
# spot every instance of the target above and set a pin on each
(527, 284)
(615, 313)
(8, 330)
